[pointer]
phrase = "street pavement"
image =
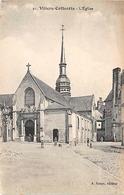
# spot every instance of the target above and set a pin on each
(28, 169)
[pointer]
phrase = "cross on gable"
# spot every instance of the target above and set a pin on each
(28, 66)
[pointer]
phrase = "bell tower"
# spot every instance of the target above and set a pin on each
(63, 82)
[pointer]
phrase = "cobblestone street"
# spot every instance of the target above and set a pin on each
(25, 169)
(106, 155)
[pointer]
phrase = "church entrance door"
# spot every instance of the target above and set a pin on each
(29, 131)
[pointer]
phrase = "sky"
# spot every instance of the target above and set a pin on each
(93, 40)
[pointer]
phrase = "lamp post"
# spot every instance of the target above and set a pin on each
(13, 129)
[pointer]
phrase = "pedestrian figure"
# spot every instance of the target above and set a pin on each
(88, 141)
(101, 139)
(91, 145)
(60, 145)
(42, 142)
(30, 138)
(55, 141)
(75, 143)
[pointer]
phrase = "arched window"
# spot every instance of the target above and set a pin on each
(29, 97)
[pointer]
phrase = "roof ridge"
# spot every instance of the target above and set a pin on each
(34, 78)
(82, 96)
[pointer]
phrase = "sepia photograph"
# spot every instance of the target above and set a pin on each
(61, 97)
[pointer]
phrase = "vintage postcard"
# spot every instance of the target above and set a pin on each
(61, 97)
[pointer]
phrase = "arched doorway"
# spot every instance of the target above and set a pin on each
(29, 131)
(55, 134)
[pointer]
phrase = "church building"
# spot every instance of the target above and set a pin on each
(36, 109)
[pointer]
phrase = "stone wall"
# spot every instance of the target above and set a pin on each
(55, 120)
(79, 133)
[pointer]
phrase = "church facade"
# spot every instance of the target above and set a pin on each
(36, 110)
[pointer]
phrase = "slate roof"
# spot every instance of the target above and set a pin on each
(109, 97)
(6, 99)
(55, 106)
(50, 93)
(82, 103)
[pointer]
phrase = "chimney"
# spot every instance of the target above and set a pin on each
(116, 84)
(122, 77)
(122, 106)
(99, 103)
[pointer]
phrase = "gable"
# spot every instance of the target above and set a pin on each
(19, 97)
(26, 82)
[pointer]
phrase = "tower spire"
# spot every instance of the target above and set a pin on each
(62, 59)
(63, 82)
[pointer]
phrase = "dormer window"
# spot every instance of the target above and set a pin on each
(29, 97)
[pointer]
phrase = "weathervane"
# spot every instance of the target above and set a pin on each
(28, 66)
(62, 27)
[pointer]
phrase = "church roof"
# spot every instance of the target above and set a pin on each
(109, 97)
(50, 93)
(55, 106)
(6, 100)
(82, 103)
